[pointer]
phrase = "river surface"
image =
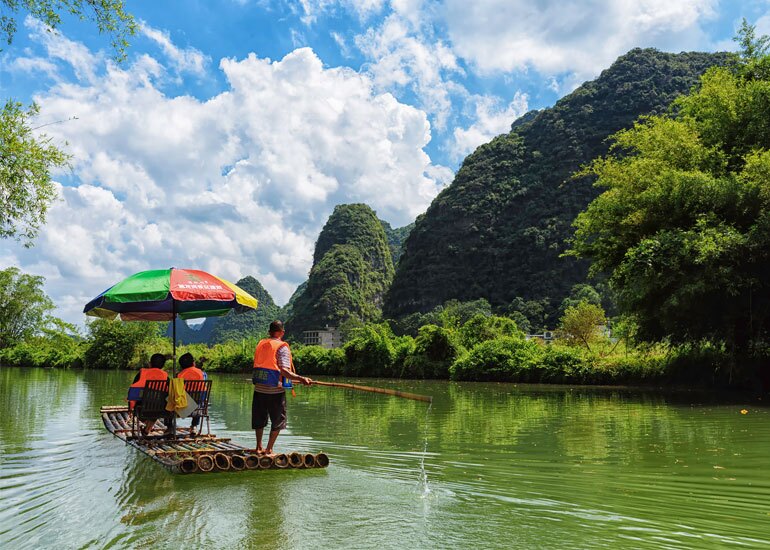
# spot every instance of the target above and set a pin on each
(488, 466)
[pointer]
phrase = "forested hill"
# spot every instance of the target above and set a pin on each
(498, 230)
(234, 326)
(352, 269)
(396, 238)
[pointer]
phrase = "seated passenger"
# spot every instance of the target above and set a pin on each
(189, 370)
(153, 372)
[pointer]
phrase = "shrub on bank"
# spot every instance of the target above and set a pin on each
(44, 352)
(370, 352)
(117, 345)
(310, 360)
(508, 358)
(481, 328)
(435, 349)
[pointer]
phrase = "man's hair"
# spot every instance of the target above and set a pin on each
(157, 360)
(275, 326)
(186, 360)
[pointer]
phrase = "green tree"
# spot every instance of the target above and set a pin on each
(27, 158)
(24, 307)
(109, 16)
(117, 345)
(581, 292)
(26, 161)
(435, 349)
(581, 322)
(480, 328)
(683, 225)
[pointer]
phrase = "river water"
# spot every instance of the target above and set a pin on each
(489, 466)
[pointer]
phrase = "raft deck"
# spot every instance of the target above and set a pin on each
(186, 454)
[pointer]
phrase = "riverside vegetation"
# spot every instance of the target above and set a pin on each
(674, 229)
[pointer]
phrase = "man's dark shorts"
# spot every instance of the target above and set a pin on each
(268, 404)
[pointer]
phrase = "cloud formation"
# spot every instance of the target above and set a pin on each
(491, 119)
(239, 184)
(555, 37)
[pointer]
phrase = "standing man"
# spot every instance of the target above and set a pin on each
(273, 373)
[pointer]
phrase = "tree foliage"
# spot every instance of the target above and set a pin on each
(116, 345)
(581, 322)
(396, 238)
(26, 161)
(24, 307)
(683, 224)
(498, 231)
(27, 158)
(109, 16)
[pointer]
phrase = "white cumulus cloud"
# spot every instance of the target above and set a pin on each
(184, 60)
(492, 118)
(582, 37)
(238, 184)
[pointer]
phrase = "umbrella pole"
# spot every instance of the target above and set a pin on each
(173, 356)
(173, 338)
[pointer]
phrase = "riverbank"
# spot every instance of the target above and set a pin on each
(501, 355)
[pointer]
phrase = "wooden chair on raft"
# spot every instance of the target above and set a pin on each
(199, 391)
(153, 406)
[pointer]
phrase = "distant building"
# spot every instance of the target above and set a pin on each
(547, 336)
(328, 337)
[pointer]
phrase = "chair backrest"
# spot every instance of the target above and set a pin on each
(154, 399)
(199, 390)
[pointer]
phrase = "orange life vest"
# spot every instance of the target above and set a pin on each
(266, 370)
(135, 389)
(192, 373)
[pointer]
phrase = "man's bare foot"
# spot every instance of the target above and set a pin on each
(268, 452)
(260, 451)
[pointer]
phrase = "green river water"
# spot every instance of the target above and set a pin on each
(488, 466)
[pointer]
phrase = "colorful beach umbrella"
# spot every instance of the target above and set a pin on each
(165, 294)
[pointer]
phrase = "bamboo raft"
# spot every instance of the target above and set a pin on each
(185, 454)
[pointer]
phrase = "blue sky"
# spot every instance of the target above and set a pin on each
(226, 138)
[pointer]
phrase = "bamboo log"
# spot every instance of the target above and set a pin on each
(205, 463)
(222, 461)
(188, 465)
(295, 460)
(252, 462)
(386, 391)
(238, 462)
(281, 461)
(308, 460)
(322, 460)
(266, 462)
(108, 423)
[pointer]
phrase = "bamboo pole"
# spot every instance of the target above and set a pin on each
(386, 391)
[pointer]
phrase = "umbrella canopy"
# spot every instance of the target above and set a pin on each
(165, 294)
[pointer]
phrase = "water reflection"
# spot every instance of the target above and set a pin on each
(566, 467)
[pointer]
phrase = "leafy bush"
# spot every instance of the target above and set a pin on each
(370, 352)
(318, 360)
(508, 358)
(116, 345)
(435, 349)
(44, 352)
(480, 328)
